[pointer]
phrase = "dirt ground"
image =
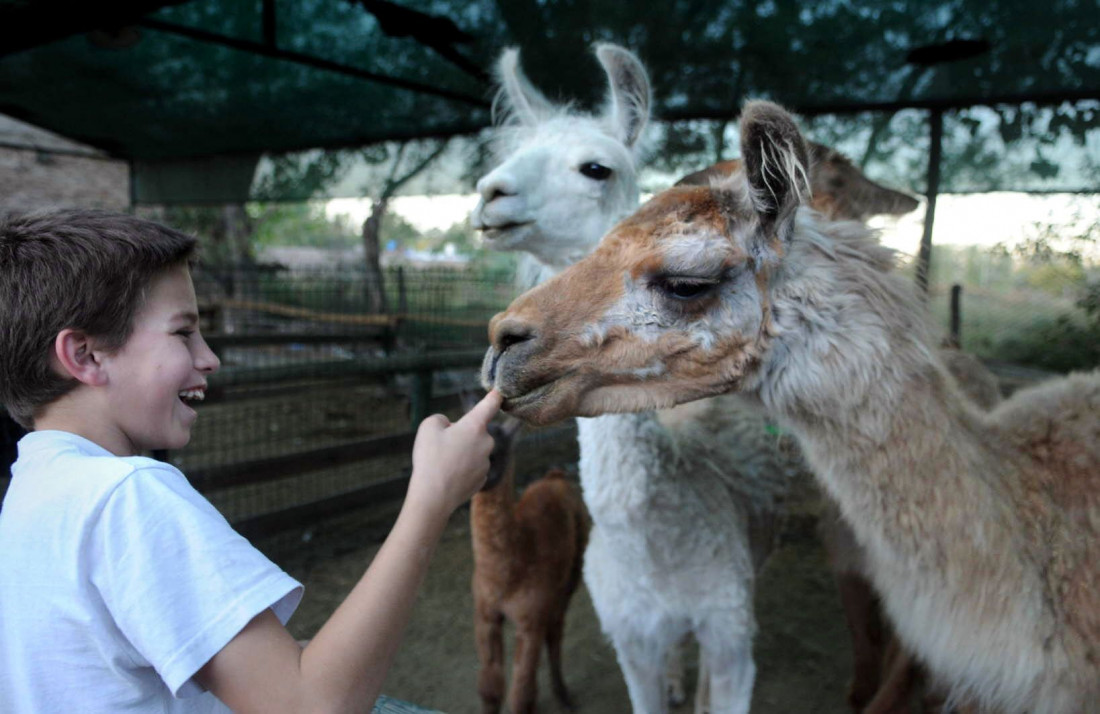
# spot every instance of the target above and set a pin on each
(801, 651)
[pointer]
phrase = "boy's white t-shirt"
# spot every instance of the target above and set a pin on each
(118, 581)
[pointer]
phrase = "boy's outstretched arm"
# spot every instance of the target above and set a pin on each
(342, 668)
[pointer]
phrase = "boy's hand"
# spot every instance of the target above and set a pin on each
(450, 461)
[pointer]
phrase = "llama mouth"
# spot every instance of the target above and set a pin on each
(538, 405)
(491, 233)
(524, 401)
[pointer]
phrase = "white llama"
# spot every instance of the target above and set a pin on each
(554, 199)
(674, 496)
(982, 530)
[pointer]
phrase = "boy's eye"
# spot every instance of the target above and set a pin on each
(185, 332)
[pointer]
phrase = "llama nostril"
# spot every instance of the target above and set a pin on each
(513, 334)
(498, 193)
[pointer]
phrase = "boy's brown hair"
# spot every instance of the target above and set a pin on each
(80, 269)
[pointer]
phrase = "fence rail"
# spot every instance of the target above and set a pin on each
(314, 409)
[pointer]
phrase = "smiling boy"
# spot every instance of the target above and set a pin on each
(123, 589)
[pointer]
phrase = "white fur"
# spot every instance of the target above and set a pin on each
(678, 533)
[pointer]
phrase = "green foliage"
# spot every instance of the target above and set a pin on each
(1061, 345)
(461, 236)
(299, 175)
(404, 234)
(299, 224)
(1036, 303)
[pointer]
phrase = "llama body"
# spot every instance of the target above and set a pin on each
(528, 556)
(982, 531)
(884, 673)
(539, 201)
(650, 579)
(655, 578)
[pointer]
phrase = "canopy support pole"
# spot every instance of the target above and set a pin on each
(935, 155)
(270, 23)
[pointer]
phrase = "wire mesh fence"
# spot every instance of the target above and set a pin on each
(314, 407)
(313, 401)
(1046, 328)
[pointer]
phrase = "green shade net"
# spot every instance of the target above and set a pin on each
(178, 93)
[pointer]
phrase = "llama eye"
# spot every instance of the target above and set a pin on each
(685, 288)
(595, 171)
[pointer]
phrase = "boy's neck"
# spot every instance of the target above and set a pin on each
(76, 413)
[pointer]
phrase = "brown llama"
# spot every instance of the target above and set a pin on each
(982, 529)
(884, 675)
(841, 192)
(528, 555)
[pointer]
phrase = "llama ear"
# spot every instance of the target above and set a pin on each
(776, 165)
(517, 98)
(836, 179)
(628, 91)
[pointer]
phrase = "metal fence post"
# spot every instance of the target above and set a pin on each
(956, 316)
(421, 397)
(935, 155)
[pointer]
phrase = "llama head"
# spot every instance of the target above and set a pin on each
(840, 190)
(564, 177)
(674, 305)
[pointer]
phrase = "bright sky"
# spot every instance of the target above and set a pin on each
(975, 219)
(986, 219)
(423, 212)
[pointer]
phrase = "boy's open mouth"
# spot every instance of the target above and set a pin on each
(192, 395)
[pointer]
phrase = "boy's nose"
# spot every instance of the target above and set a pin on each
(206, 360)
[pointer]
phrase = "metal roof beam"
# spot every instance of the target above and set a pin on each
(307, 60)
(33, 24)
(1037, 98)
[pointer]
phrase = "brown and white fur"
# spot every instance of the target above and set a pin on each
(840, 191)
(528, 555)
(884, 675)
(662, 562)
(982, 530)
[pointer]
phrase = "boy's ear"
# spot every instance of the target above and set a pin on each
(75, 355)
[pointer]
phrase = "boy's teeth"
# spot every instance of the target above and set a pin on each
(196, 394)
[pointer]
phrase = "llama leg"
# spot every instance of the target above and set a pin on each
(523, 691)
(643, 662)
(894, 693)
(702, 688)
(674, 672)
(488, 632)
(864, 617)
(554, 634)
(730, 671)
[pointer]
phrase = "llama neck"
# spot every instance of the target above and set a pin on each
(493, 517)
(618, 455)
(850, 372)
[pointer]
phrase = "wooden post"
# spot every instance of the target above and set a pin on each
(935, 154)
(956, 317)
(389, 340)
(420, 399)
(402, 292)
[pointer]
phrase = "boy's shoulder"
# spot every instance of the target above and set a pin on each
(53, 444)
(60, 462)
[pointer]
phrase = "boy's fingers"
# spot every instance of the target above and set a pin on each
(485, 410)
(436, 421)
